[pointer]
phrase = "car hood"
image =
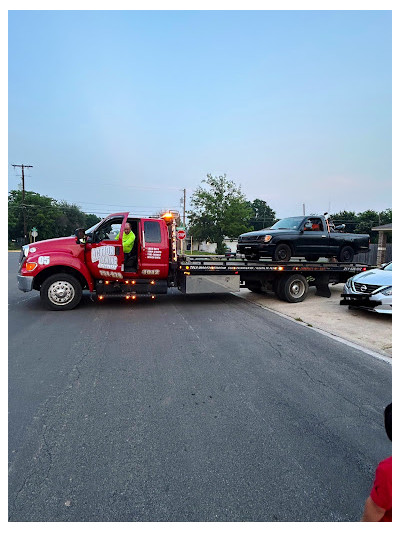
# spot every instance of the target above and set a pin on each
(268, 232)
(376, 276)
(52, 244)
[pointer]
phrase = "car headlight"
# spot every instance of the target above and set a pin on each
(25, 249)
(267, 238)
(348, 283)
(387, 291)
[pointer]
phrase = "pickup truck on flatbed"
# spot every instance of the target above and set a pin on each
(307, 236)
(94, 260)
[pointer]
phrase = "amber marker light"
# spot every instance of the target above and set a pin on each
(101, 297)
(153, 297)
(107, 282)
(127, 297)
(30, 265)
(133, 282)
(280, 268)
(126, 282)
(152, 282)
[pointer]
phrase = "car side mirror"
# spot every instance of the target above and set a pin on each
(80, 236)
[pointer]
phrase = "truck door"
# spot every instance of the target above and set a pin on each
(153, 248)
(104, 255)
(315, 239)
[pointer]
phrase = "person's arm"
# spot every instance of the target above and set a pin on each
(131, 239)
(117, 236)
(372, 512)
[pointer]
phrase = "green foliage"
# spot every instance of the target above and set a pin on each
(364, 222)
(263, 215)
(219, 210)
(52, 218)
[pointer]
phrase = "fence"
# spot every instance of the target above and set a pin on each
(370, 257)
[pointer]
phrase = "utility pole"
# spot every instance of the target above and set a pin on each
(184, 207)
(23, 197)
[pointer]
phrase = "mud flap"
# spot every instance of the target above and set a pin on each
(322, 285)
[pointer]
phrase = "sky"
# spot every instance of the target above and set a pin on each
(122, 110)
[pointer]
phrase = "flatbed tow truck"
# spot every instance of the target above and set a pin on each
(94, 260)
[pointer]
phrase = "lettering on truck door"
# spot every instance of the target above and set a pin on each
(104, 254)
(154, 248)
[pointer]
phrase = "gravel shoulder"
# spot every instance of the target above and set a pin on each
(369, 330)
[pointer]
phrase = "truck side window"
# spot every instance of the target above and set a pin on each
(152, 231)
(108, 230)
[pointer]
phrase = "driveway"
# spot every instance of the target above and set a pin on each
(369, 330)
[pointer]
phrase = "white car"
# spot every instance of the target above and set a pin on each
(371, 290)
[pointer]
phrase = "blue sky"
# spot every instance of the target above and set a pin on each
(122, 110)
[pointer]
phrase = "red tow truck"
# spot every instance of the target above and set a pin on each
(94, 260)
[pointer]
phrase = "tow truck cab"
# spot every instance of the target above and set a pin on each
(94, 259)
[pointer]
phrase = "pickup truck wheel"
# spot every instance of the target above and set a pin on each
(282, 253)
(346, 254)
(294, 289)
(61, 292)
(311, 257)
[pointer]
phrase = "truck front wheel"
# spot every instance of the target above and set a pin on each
(282, 253)
(60, 292)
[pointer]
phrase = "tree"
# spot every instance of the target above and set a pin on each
(51, 217)
(345, 217)
(219, 210)
(263, 215)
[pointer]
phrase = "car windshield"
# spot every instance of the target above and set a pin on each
(388, 267)
(288, 223)
(91, 230)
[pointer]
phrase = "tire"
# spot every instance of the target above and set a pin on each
(346, 254)
(294, 288)
(60, 292)
(278, 287)
(255, 287)
(311, 257)
(282, 253)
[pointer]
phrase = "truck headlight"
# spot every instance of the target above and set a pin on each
(348, 283)
(387, 291)
(267, 238)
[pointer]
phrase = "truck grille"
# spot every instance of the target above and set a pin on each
(251, 238)
(366, 289)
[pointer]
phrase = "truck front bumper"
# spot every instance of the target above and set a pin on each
(25, 283)
(259, 248)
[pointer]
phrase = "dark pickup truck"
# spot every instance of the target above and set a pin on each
(310, 237)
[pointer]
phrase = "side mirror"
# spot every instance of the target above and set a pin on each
(80, 236)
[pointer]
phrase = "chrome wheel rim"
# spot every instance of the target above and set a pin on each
(297, 289)
(61, 293)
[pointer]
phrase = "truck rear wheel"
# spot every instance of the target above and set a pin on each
(293, 289)
(346, 254)
(282, 253)
(60, 292)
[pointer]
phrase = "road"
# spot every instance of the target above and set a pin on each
(186, 408)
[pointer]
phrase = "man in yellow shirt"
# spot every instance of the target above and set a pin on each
(128, 239)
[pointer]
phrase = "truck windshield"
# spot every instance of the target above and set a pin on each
(288, 223)
(91, 230)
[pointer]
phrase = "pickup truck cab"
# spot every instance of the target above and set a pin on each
(306, 236)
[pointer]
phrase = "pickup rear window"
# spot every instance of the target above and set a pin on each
(152, 232)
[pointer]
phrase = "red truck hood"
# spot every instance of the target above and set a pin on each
(60, 244)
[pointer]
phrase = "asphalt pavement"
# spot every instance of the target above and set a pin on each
(186, 408)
